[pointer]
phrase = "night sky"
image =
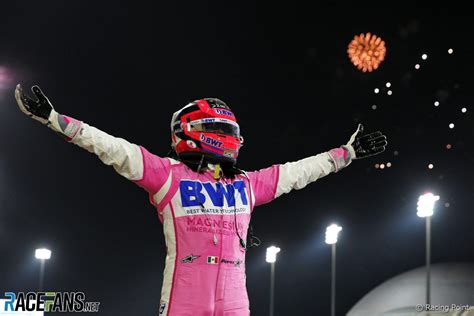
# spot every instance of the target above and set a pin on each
(126, 66)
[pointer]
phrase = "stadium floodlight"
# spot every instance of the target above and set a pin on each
(272, 254)
(425, 208)
(271, 258)
(426, 203)
(332, 232)
(43, 254)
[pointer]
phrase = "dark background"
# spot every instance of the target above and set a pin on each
(126, 66)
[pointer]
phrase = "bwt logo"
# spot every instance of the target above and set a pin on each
(208, 120)
(224, 112)
(192, 193)
(211, 141)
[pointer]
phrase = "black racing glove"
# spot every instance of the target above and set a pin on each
(39, 109)
(363, 145)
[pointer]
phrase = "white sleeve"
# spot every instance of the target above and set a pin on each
(124, 157)
(297, 175)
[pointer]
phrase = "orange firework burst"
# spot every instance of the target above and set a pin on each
(366, 51)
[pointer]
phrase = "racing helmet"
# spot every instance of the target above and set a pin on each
(206, 128)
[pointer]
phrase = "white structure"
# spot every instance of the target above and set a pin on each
(453, 284)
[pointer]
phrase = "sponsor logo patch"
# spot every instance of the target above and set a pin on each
(189, 259)
(193, 193)
(230, 153)
(212, 260)
(236, 263)
(224, 112)
(162, 309)
(191, 144)
(211, 141)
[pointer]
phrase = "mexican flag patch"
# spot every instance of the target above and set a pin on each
(212, 260)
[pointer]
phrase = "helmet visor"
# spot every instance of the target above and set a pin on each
(216, 126)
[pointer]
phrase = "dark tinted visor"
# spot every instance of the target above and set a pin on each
(217, 127)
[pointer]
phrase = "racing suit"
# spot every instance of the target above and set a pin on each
(205, 264)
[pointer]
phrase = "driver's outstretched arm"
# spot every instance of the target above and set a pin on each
(276, 180)
(126, 158)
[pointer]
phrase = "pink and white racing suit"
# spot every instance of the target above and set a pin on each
(205, 264)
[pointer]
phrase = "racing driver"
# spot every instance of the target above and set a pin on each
(203, 200)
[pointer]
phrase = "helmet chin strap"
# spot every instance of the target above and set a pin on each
(217, 171)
